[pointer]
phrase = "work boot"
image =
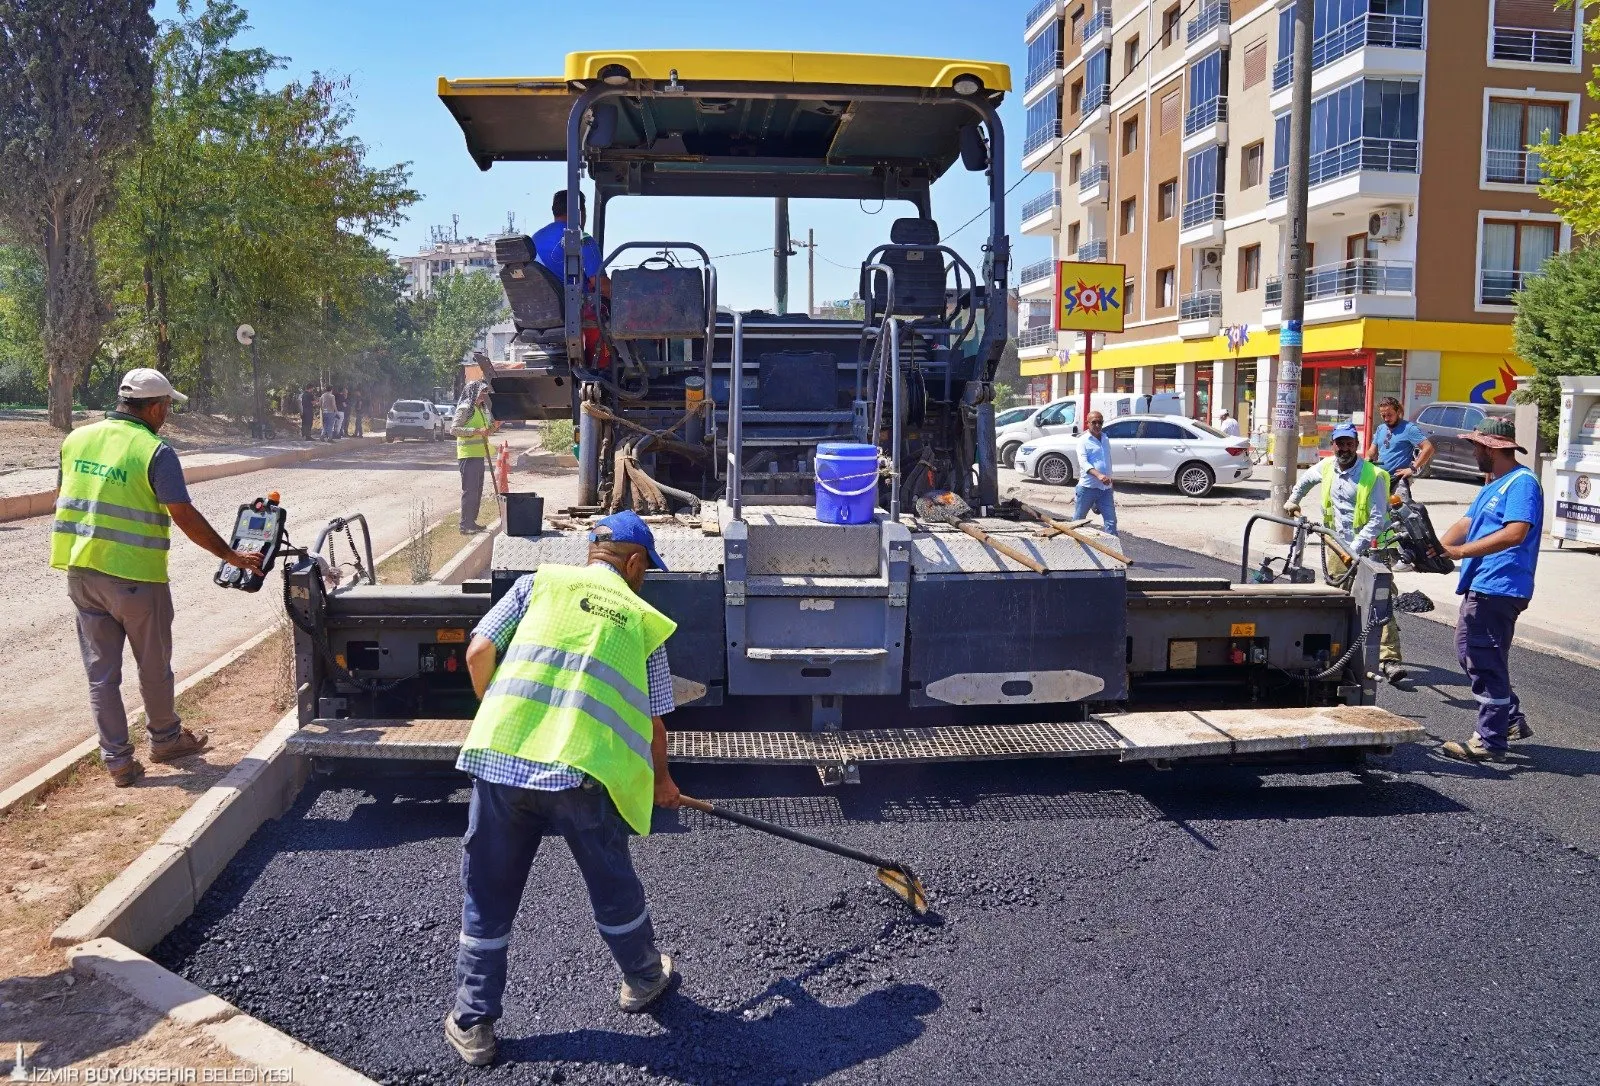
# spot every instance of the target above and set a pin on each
(1393, 671)
(181, 745)
(127, 773)
(471, 529)
(475, 1045)
(1473, 750)
(1519, 730)
(641, 990)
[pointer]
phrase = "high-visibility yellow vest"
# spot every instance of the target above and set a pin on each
(107, 515)
(473, 448)
(1365, 483)
(573, 685)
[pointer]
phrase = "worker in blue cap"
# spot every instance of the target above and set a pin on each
(1355, 505)
(573, 681)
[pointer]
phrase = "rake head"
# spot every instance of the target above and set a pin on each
(942, 507)
(905, 885)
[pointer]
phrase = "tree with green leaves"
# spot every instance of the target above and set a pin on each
(1558, 327)
(459, 311)
(1572, 163)
(75, 91)
(21, 314)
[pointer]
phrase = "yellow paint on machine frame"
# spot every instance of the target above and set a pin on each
(1089, 297)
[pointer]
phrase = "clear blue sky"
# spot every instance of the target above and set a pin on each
(394, 50)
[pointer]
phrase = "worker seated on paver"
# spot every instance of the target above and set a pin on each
(1355, 505)
(573, 681)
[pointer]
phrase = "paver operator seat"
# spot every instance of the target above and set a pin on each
(919, 274)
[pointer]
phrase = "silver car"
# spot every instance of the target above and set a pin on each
(1157, 449)
(1447, 424)
(1057, 417)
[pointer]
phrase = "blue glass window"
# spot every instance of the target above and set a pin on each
(1205, 79)
(1203, 174)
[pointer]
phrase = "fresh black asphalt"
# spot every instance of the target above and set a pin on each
(1420, 922)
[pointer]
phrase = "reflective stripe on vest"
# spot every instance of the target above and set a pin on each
(107, 516)
(469, 448)
(1364, 484)
(572, 688)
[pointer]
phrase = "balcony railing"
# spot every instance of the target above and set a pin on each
(1041, 205)
(1349, 279)
(1379, 31)
(1100, 20)
(1200, 305)
(1205, 115)
(1366, 154)
(1041, 72)
(1496, 287)
(1098, 174)
(1094, 97)
(1091, 251)
(1513, 167)
(1037, 12)
(1202, 210)
(1036, 337)
(1211, 16)
(1041, 136)
(1039, 269)
(1534, 46)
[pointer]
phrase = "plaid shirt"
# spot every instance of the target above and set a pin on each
(499, 626)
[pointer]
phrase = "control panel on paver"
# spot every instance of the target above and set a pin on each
(258, 529)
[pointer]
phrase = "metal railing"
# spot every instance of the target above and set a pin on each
(1094, 97)
(1100, 20)
(1206, 114)
(1041, 72)
(1496, 287)
(1041, 205)
(1379, 31)
(1199, 211)
(1200, 305)
(1042, 136)
(1513, 167)
(1098, 174)
(1350, 279)
(1534, 46)
(1039, 269)
(1036, 337)
(1037, 12)
(1211, 16)
(1091, 251)
(1369, 153)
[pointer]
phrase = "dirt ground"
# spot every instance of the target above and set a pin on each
(28, 441)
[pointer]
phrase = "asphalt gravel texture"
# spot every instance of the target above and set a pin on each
(1417, 921)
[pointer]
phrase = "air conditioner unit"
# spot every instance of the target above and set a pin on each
(1212, 258)
(1386, 225)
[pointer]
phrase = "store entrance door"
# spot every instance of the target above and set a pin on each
(1336, 390)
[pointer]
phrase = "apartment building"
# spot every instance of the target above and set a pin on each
(444, 257)
(1158, 134)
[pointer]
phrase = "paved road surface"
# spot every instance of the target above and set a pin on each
(1422, 923)
(47, 699)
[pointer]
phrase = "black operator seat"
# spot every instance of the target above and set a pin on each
(919, 274)
(538, 302)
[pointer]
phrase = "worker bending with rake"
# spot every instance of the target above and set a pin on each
(1355, 506)
(573, 680)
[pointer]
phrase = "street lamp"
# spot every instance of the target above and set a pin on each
(246, 336)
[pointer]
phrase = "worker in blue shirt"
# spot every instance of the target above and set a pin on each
(1399, 446)
(547, 243)
(1497, 544)
(1094, 475)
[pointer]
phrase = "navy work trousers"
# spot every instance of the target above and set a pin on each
(1484, 631)
(504, 828)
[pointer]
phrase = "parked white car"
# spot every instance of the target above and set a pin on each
(447, 412)
(1056, 417)
(413, 418)
(1157, 449)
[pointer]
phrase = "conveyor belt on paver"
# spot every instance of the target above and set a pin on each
(1154, 736)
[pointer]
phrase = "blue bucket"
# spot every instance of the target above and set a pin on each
(847, 482)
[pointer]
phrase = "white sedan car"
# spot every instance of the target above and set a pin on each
(1158, 449)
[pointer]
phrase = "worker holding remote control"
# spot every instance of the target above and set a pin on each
(120, 489)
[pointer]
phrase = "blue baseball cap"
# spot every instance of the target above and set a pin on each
(627, 527)
(1345, 429)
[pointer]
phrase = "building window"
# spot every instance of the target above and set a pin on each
(1250, 267)
(1130, 54)
(1074, 166)
(1128, 217)
(1073, 233)
(1167, 200)
(1130, 135)
(1171, 111)
(1514, 127)
(1127, 295)
(1513, 252)
(1122, 380)
(1097, 80)
(1077, 24)
(1169, 24)
(1077, 97)
(1164, 379)
(1251, 160)
(1255, 63)
(1166, 288)
(1533, 32)
(1368, 125)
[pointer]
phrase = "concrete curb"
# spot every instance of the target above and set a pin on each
(40, 502)
(158, 890)
(62, 766)
(471, 560)
(190, 1006)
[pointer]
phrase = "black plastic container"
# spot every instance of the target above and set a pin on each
(524, 514)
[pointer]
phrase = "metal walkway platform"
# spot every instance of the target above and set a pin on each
(1131, 737)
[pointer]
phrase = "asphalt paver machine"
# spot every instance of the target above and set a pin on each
(800, 641)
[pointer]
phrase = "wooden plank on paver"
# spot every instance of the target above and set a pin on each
(1213, 732)
(411, 740)
(1176, 734)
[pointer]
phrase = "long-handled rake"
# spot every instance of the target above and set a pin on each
(948, 507)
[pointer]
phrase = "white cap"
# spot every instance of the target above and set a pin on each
(148, 384)
(1224, 412)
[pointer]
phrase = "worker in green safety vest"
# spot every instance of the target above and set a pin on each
(573, 680)
(1355, 505)
(119, 490)
(474, 427)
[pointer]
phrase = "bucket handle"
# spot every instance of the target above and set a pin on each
(847, 493)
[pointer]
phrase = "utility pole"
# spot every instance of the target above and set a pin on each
(1291, 341)
(781, 252)
(810, 246)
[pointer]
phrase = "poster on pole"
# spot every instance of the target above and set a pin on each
(1089, 297)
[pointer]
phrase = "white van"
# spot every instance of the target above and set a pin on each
(1056, 417)
(1116, 404)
